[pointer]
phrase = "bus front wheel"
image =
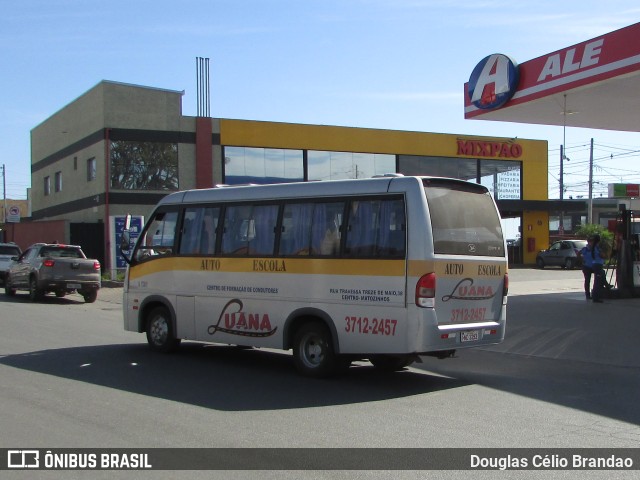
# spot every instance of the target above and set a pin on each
(160, 333)
(313, 353)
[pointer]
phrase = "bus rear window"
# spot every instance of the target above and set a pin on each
(464, 222)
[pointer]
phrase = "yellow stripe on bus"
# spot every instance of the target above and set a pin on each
(454, 268)
(365, 267)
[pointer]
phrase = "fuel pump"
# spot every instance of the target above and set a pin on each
(627, 254)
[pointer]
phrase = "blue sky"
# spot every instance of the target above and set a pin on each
(391, 64)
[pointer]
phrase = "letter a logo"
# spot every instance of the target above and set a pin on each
(493, 82)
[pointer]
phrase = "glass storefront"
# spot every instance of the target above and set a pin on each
(463, 168)
(272, 165)
(502, 178)
(347, 165)
(262, 165)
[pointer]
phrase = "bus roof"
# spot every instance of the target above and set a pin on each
(328, 188)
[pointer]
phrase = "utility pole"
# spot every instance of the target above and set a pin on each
(590, 208)
(4, 193)
(561, 225)
(561, 172)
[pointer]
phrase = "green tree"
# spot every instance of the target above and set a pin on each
(606, 237)
(144, 165)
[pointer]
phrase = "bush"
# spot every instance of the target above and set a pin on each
(606, 237)
(106, 276)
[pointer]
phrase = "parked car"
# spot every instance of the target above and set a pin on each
(61, 269)
(513, 242)
(563, 253)
(7, 252)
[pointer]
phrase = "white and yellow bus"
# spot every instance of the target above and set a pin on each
(384, 269)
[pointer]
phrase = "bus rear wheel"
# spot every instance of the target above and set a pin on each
(160, 333)
(313, 353)
(391, 363)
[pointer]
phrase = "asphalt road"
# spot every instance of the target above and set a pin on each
(567, 376)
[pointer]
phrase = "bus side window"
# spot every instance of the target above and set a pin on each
(311, 229)
(264, 219)
(392, 229)
(159, 237)
(295, 238)
(199, 231)
(325, 228)
(188, 235)
(237, 230)
(208, 231)
(361, 225)
(376, 228)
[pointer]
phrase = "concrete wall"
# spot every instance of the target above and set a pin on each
(67, 140)
(145, 108)
(28, 233)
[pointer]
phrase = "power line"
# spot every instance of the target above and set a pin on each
(576, 167)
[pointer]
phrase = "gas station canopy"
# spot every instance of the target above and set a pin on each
(594, 84)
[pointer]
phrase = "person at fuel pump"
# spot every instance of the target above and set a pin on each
(598, 269)
(587, 266)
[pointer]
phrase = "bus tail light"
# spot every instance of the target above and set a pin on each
(426, 291)
(505, 289)
(48, 262)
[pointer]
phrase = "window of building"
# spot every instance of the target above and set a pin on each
(347, 165)
(91, 169)
(58, 182)
(262, 165)
(462, 168)
(47, 185)
(144, 165)
(502, 178)
(554, 223)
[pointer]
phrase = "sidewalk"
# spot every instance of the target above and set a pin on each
(110, 294)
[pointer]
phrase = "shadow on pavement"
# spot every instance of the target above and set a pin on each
(223, 377)
(561, 349)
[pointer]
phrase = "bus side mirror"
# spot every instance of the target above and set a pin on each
(125, 240)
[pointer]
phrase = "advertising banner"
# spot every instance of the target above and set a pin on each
(117, 224)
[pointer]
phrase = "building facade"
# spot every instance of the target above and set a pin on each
(118, 148)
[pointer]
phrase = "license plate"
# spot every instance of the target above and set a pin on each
(470, 336)
(73, 285)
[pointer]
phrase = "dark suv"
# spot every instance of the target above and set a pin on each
(54, 268)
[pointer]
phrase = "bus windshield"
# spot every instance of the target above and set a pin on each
(464, 222)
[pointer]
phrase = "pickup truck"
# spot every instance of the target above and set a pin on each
(57, 268)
